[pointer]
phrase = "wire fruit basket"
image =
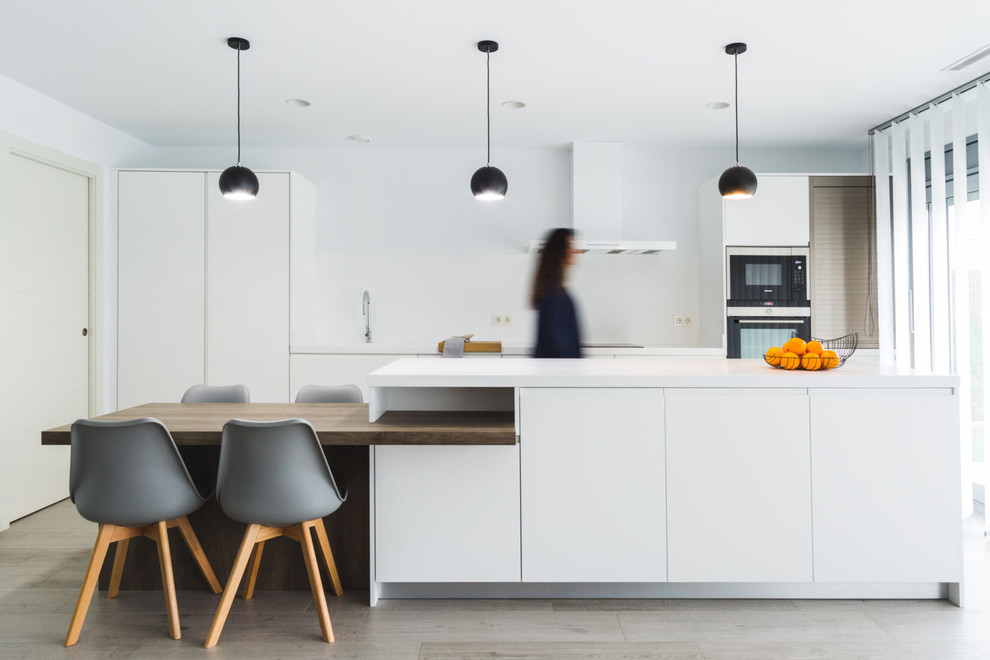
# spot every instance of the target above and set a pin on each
(843, 347)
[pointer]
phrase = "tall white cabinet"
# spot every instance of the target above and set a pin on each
(204, 284)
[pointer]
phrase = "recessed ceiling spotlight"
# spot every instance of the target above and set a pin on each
(297, 103)
(363, 139)
(513, 105)
(717, 105)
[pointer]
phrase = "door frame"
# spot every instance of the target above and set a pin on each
(11, 145)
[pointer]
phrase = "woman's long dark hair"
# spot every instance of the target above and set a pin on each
(550, 273)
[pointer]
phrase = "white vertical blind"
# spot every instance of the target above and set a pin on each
(960, 286)
(902, 256)
(939, 245)
(920, 229)
(983, 140)
(885, 282)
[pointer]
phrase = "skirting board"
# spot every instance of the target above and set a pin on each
(869, 591)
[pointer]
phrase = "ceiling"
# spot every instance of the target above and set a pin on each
(408, 73)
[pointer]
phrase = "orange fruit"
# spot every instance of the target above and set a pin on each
(790, 360)
(811, 361)
(795, 345)
(814, 346)
(830, 360)
(773, 355)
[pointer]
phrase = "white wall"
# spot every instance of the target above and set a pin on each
(403, 225)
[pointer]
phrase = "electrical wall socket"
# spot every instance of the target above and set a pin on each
(683, 321)
(500, 320)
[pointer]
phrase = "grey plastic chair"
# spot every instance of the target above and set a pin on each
(217, 394)
(274, 476)
(129, 477)
(329, 394)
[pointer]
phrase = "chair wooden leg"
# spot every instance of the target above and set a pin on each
(89, 582)
(321, 534)
(119, 556)
(253, 571)
(315, 581)
(197, 552)
(236, 572)
(168, 582)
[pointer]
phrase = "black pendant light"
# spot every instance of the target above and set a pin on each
(238, 182)
(489, 183)
(737, 182)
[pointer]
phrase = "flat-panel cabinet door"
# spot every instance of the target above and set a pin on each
(778, 214)
(738, 486)
(446, 513)
(160, 285)
(247, 299)
(886, 486)
(592, 485)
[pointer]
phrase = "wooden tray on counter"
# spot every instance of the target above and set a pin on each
(477, 347)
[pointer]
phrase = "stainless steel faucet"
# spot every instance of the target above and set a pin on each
(366, 310)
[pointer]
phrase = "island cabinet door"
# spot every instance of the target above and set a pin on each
(738, 485)
(885, 469)
(592, 485)
(447, 514)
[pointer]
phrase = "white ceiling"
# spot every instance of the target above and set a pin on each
(408, 74)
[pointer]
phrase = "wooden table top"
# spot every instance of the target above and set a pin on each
(335, 423)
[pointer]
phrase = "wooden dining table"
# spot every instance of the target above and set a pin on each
(344, 432)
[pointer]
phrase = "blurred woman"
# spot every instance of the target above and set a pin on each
(557, 334)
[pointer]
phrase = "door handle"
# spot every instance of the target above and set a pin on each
(85, 331)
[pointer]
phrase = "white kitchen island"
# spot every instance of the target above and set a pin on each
(671, 477)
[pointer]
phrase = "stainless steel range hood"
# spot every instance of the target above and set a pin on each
(613, 247)
(596, 194)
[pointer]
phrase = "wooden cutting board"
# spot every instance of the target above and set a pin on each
(477, 347)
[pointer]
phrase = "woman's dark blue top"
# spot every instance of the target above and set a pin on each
(557, 334)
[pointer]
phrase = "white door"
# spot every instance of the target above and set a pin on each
(738, 485)
(44, 282)
(446, 514)
(593, 489)
(885, 469)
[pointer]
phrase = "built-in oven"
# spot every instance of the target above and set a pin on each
(749, 334)
(768, 300)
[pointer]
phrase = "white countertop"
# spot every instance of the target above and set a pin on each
(430, 348)
(653, 372)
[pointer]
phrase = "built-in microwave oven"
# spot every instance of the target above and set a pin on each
(767, 276)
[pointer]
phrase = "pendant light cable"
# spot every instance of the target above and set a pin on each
(239, 111)
(488, 102)
(735, 59)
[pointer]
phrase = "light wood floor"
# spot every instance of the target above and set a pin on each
(43, 557)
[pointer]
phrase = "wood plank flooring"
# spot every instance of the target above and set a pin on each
(42, 559)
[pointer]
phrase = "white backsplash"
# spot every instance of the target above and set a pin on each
(428, 297)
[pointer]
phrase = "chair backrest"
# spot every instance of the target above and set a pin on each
(128, 473)
(329, 394)
(274, 473)
(217, 394)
